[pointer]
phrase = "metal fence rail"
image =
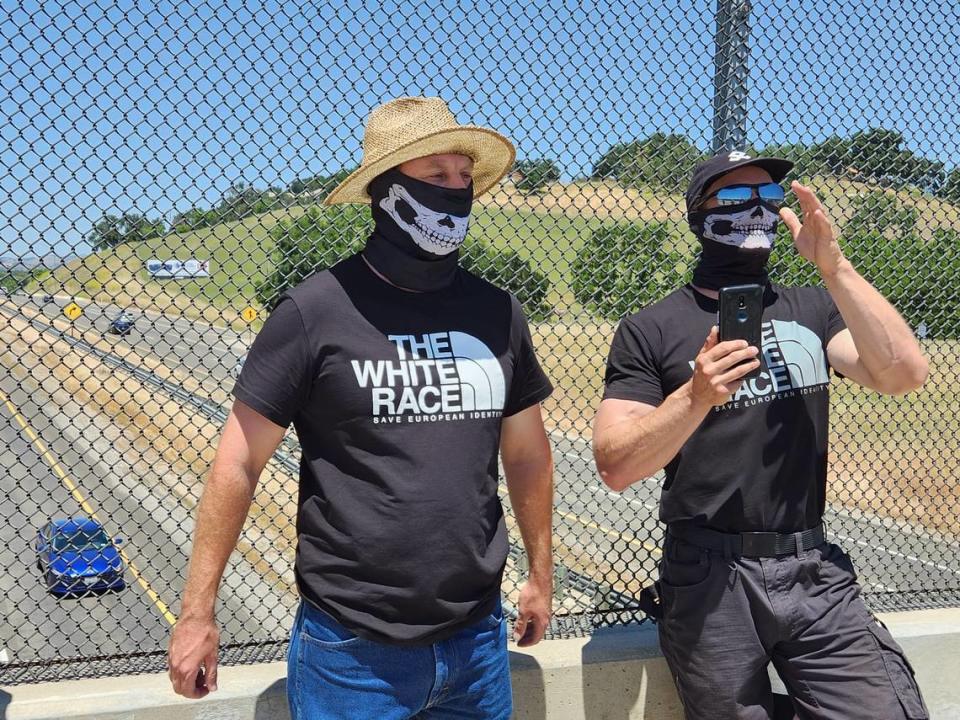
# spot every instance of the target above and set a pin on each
(163, 172)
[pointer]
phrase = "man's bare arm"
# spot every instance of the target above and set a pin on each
(878, 350)
(528, 467)
(633, 440)
(247, 442)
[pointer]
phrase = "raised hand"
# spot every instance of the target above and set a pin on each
(814, 237)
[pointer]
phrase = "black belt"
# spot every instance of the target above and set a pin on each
(750, 544)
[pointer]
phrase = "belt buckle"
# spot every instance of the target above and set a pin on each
(757, 544)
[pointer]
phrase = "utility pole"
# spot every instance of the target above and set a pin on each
(731, 75)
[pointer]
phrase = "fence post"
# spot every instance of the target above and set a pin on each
(731, 74)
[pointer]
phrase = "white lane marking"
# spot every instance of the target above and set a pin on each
(895, 553)
(861, 517)
(4, 658)
(891, 524)
(589, 461)
(610, 493)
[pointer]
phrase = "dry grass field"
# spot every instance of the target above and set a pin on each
(895, 457)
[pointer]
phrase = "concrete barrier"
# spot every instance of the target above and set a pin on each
(616, 674)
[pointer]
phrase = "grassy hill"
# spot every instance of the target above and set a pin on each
(548, 228)
(239, 254)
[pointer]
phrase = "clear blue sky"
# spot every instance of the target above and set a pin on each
(107, 110)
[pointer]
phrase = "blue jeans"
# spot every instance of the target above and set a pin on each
(333, 674)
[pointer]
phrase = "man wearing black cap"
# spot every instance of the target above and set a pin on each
(746, 576)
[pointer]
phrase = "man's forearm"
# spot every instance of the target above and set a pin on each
(886, 345)
(221, 513)
(636, 447)
(530, 485)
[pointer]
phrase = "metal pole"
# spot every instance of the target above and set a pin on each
(731, 75)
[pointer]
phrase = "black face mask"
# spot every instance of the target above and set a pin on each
(736, 241)
(418, 230)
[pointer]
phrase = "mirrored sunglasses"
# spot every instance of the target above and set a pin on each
(771, 193)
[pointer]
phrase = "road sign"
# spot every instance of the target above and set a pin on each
(73, 311)
(249, 314)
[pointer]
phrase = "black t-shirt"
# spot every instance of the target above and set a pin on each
(397, 398)
(759, 462)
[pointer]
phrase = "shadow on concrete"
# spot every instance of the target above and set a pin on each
(529, 688)
(5, 698)
(610, 689)
(272, 702)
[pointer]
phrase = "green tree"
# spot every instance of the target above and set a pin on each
(660, 161)
(535, 175)
(829, 157)
(950, 190)
(319, 186)
(314, 241)
(617, 162)
(625, 266)
(875, 152)
(113, 230)
(192, 219)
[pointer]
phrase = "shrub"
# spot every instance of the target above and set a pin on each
(918, 278)
(535, 175)
(883, 213)
(316, 240)
(626, 266)
(506, 269)
(322, 237)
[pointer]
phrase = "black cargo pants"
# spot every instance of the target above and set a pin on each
(725, 619)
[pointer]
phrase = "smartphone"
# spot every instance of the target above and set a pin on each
(740, 317)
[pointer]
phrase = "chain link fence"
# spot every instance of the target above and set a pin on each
(162, 178)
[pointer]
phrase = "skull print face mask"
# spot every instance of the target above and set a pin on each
(418, 229)
(737, 241)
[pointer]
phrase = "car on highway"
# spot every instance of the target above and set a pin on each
(77, 555)
(47, 299)
(121, 324)
(238, 368)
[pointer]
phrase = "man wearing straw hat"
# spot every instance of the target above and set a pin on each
(403, 375)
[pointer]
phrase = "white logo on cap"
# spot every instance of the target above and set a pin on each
(737, 155)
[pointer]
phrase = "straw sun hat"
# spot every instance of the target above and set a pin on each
(414, 127)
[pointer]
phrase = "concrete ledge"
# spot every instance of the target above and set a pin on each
(617, 673)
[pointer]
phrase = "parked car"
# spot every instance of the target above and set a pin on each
(121, 324)
(76, 555)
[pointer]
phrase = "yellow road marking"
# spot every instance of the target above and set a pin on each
(78, 496)
(646, 545)
(608, 531)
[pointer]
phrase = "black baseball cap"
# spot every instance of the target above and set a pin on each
(712, 168)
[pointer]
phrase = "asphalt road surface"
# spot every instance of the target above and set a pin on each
(58, 464)
(610, 539)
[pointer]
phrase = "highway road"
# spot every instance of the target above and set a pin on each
(592, 521)
(608, 543)
(57, 462)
